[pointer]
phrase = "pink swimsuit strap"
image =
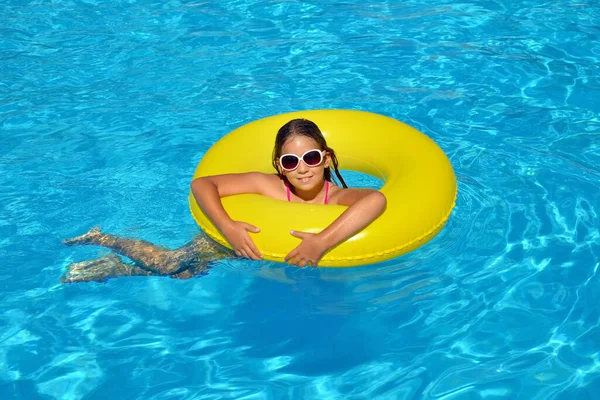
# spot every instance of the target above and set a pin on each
(287, 187)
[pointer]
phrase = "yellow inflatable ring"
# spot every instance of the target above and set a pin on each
(420, 186)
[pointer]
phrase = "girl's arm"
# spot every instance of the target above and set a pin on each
(208, 192)
(365, 205)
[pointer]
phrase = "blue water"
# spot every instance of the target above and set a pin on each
(107, 107)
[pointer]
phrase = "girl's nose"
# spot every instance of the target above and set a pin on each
(302, 167)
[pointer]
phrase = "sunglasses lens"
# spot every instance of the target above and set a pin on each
(289, 162)
(312, 158)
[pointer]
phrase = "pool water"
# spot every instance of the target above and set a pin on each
(107, 107)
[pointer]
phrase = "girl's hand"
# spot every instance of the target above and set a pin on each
(308, 252)
(238, 237)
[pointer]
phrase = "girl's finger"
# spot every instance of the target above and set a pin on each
(292, 259)
(244, 254)
(252, 228)
(298, 260)
(251, 252)
(238, 253)
(291, 255)
(254, 250)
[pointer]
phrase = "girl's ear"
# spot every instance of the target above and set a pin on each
(282, 171)
(327, 161)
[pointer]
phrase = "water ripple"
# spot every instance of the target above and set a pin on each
(106, 108)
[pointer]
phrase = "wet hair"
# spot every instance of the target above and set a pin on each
(309, 129)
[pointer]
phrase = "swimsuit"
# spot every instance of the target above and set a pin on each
(287, 187)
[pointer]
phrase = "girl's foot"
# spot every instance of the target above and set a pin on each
(88, 238)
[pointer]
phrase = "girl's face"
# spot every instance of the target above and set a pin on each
(304, 178)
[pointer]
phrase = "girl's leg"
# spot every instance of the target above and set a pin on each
(192, 272)
(157, 259)
(202, 248)
(101, 269)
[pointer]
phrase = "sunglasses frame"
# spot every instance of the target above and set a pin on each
(301, 159)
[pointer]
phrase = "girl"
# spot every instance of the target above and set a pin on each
(303, 163)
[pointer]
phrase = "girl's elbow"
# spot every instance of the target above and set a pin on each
(377, 200)
(195, 183)
(200, 185)
(198, 182)
(380, 200)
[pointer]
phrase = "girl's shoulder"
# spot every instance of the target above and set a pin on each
(263, 178)
(270, 185)
(269, 179)
(347, 196)
(246, 182)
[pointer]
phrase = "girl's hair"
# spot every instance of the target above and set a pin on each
(309, 129)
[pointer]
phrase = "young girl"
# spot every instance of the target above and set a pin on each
(303, 163)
